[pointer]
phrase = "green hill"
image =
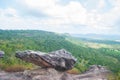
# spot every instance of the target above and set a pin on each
(15, 40)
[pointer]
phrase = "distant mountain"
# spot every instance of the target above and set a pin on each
(100, 41)
(98, 36)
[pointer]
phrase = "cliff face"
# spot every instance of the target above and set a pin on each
(94, 73)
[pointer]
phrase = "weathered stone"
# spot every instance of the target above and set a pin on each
(61, 60)
(1, 54)
(95, 72)
(52, 74)
(97, 69)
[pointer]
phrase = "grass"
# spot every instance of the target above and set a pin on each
(73, 71)
(16, 67)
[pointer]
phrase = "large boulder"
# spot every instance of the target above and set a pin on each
(61, 60)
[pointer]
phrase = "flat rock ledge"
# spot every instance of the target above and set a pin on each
(94, 73)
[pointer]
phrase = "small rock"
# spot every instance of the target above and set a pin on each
(2, 54)
(66, 76)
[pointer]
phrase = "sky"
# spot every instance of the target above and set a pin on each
(62, 16)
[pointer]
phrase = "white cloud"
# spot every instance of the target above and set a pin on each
(63, 17)
(73, 12)
(101, 4)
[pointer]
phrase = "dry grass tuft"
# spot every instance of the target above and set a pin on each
(15, 68)
(73, 71)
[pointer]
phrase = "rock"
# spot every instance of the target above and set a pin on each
(52, 74)
(1, 54)
(66, 76)
(36, 74)
(61, 60)
(11, 76)
(97, 69)
(95, 72)
(44, 74)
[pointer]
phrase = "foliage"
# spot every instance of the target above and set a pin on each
(15, 40)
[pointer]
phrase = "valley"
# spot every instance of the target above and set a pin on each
(88, 52)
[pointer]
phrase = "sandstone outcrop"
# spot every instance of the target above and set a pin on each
(60, 60)
(93, 73)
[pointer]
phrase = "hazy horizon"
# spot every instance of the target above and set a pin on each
(61, 16)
